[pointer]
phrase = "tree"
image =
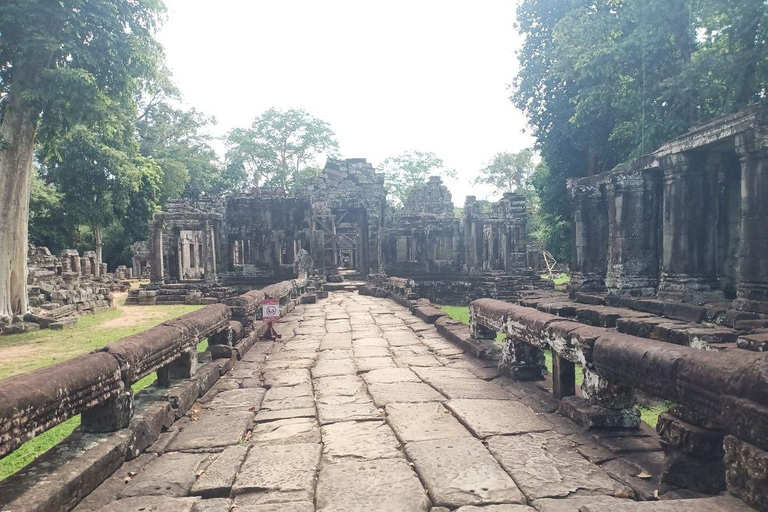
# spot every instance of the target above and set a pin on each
(100, 176)
(279, 150)
(408, 171)
(508, 172)
(61, 64)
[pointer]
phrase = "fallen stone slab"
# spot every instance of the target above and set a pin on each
(423, 422)
(359, 440)
(213, 431)
(547, 466)
(486, 418)
(285, 468)
(384, 394)
(460, 471)
(383, 485)
(217, 479)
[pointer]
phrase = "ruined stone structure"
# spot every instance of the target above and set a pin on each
(686, 223)
(341, 219)
(60, 288)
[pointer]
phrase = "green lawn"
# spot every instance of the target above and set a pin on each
(23, 353)
(649, 416)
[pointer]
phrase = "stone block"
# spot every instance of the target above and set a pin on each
(283, 468)
(64, 324)
(217, 479)
(592, 416)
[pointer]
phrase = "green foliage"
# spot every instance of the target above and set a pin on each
(408, 171)
(279, 150)
(603, 82)
(49, 223)
(508, 172)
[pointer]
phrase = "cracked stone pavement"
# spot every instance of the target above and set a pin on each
(361, 407)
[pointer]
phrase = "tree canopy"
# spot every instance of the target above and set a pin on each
(279, 150)
(508, 172)
(409, 170)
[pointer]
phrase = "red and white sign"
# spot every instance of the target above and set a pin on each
(270, 310)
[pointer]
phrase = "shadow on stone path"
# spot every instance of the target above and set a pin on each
(364, 407)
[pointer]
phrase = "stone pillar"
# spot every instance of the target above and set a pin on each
(85, 266)
(208, 248)
(136, 267)
(589, 235)
(515, 236)
(752, 287)
(522, 361)
(633, 226)
(690, 227)
(606, 404)
(472, 235)
(693, 455)
(103, 269)
(158, 270)
(112, 415)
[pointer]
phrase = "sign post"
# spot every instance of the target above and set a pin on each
(270, 313)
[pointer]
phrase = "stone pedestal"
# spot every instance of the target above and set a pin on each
(633, 221)
(693, 454)
(752, 288)
(605, 404)
(185, 366)
(522, 361)
(589, 237)
(113, 415)
(690, 228)
(746, 472)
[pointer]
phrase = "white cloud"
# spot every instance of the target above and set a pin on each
(388, 76)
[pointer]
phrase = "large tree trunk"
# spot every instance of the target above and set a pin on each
(98, 236)
(17, 148)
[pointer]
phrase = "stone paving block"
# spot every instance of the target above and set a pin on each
(419, 360)
(486, 418)
(366, 352)
(271, 501)
(169, 475)
(367, 332)
(717, 504)
(468, 388)
(366, 364)
(384, 394)
(496, 508)
(334, 354)
(333, 367)
(409, 350)
(213, 505)
(285, 468)
(151, 504)
(107, 492)
(287, 431)
(460, 471)
(297, 402)
(423, 422)
(574, 503)
(385, 485)
(545, 465)
(214, 430)
(442, 373)
(294, 506)
(390, 375)
(265, 416)
(216, 480)
(359, 407)
(286, 378)
(284, 392)
(344, 385)
(361, 440)
(289, 364)
(248, 399)
(374, 341)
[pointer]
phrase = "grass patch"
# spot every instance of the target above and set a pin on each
(650, 416)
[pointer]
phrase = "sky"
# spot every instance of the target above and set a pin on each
(429, 75)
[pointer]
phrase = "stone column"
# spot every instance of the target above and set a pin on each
(515, 237)
(472, 236)
(207, 256)
(522, 361)
(633, 222)
(589, 235)
(158, 270)
(752, 290)
(690, 227)
(606, 404)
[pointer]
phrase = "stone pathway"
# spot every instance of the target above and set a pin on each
(364, 407)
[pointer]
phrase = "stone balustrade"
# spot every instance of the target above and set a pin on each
(98, 385)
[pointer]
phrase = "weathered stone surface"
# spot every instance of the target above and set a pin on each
(282, 414)
(216, 480)
(495, 508)
(286, 378)
(384, 394)
(718, 504)
(345, 385)
(333, 367)
(497, 417)
(390, 375)
(248, 399)
(423, 422)
(287, 431)
(151, 504)
(287, 468)
(574, 503)
(546, 466)
(346, 408)
(461, 472)
(468, 388)
(366, 364)
(169, 475)
(245, 503)
(382, 485)
(359, 440)
(213, 505)
(214, 430)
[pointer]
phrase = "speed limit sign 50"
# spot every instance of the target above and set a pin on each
(270, 310)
